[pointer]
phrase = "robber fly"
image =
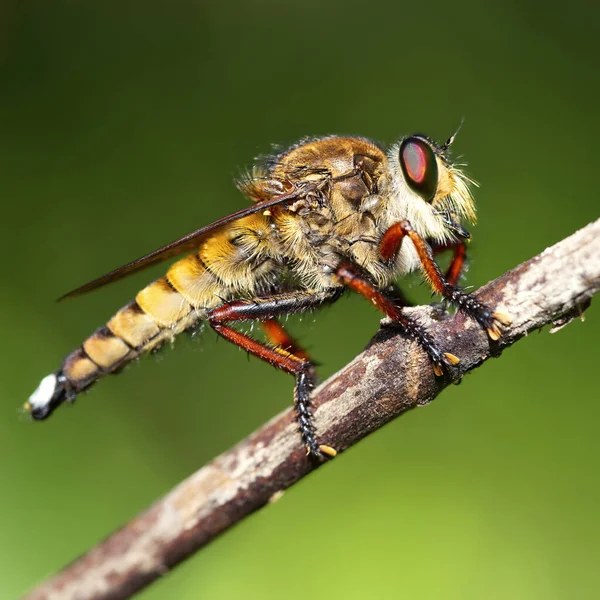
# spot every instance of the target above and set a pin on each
(327, 214)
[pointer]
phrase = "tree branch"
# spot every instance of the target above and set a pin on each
(390, 377)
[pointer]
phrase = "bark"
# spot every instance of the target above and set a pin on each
(391, 376)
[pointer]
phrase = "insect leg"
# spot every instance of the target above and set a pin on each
(390, 245)
(453, 273)
(281, 339)
(352, 277)
(457, 264)
(288, 356)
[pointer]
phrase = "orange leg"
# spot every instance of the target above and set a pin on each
(282, 340)
(389, 247)
(351, 276)
(288, 357)
(455, 268)
(457, 264)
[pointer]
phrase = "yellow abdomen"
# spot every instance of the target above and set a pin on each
(231, 263)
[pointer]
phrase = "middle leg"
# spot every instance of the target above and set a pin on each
(282, 340)
(352, 277)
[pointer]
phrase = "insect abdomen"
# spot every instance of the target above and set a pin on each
(159, 312)
(233, 261)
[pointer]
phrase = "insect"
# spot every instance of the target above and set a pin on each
(328, 214)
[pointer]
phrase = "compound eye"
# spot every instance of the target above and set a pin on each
(419, 166)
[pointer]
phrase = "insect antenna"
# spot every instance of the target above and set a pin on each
(451, 139)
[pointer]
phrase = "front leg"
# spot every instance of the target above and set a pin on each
(389, 247)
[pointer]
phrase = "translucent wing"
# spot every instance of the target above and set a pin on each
(186, 243)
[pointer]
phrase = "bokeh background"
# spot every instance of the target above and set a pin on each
(122, 125)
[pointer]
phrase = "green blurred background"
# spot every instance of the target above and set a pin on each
(122, 125)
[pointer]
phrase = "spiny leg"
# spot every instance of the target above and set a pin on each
(352, 277)
(282, 357)
(300, 368)
(390, 245)
(284, 343)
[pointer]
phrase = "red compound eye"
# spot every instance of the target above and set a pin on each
(419, 166)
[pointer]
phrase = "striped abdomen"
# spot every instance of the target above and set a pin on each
(230, 263)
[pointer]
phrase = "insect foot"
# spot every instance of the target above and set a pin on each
(328, 451)
(498, 319)
(304, 417)
(441, 361)
(492, 322)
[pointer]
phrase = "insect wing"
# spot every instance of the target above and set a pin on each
(184, 244)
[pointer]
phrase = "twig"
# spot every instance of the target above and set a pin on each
(390, 377)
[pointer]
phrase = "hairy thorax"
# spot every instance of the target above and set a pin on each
(345, 219)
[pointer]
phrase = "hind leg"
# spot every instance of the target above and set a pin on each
(286, 355)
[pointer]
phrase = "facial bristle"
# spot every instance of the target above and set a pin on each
(461, 199)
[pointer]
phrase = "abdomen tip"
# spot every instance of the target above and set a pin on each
(49, 394)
